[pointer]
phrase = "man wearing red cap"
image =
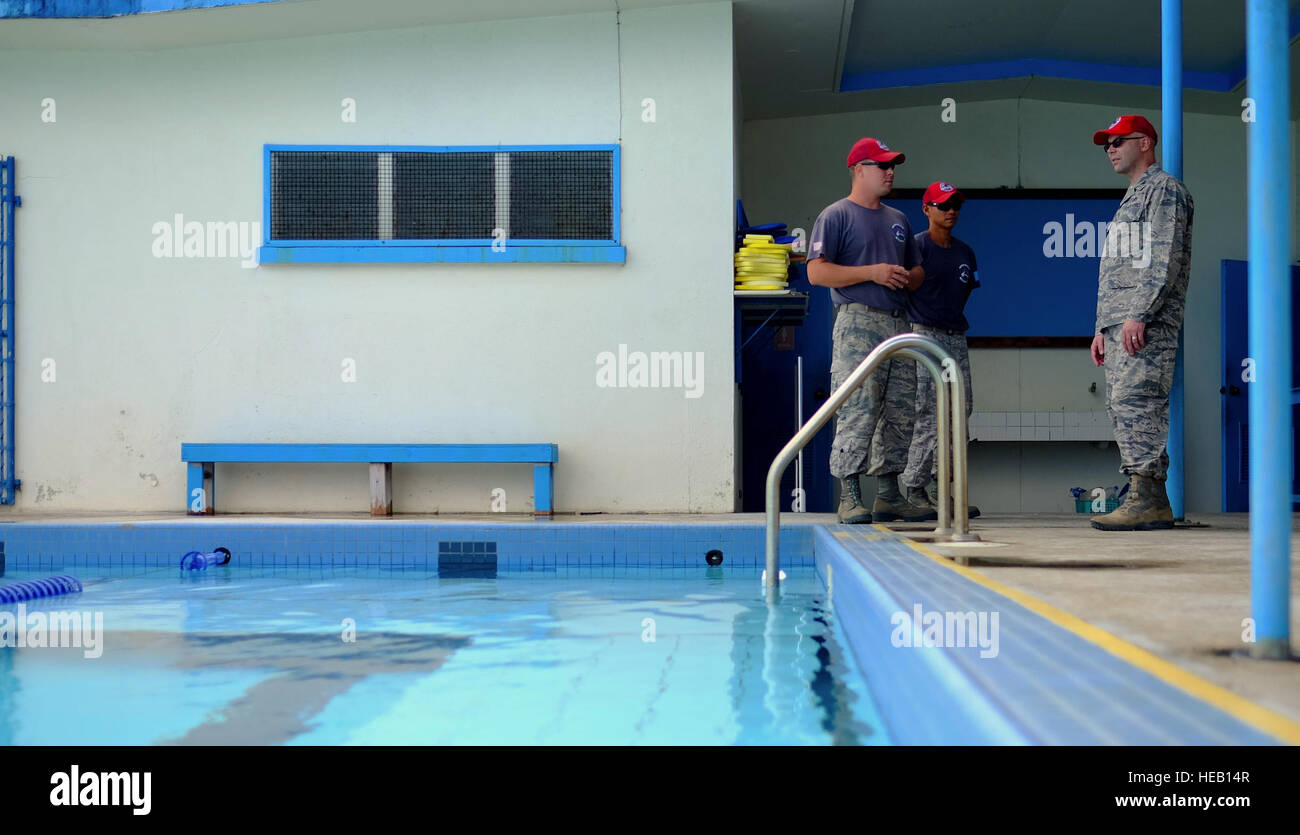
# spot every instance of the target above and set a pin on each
(1141, 294)
(864, 252)
(936, 310)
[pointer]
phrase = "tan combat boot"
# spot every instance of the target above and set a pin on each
(851, 510)
(1146, 508)
(918, 497)
(890, 506)
(931, 494)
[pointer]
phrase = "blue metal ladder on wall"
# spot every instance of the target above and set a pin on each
(9, 201)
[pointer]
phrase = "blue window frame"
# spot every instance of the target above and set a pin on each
(448, 203)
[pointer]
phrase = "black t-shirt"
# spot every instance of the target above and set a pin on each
(852, 235)
(950, 274)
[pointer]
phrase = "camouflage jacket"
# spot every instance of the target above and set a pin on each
(1146, 261)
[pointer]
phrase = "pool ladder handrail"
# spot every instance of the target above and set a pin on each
(951, 407)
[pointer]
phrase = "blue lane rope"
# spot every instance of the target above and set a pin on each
(198, 561)
(45, 587)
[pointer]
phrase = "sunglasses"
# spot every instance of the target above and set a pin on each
(883, 166)
(1115, 143)
(950, 205)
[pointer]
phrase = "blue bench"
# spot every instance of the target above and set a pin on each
(202, 459)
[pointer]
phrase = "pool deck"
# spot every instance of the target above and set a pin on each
(1180, 595)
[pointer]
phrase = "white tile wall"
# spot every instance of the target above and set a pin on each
(1040, 426)
(1036, 478)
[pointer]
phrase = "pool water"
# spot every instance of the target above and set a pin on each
(616, 655)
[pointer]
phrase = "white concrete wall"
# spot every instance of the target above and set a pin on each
(154, 352)
(792, 168)
(737, 116)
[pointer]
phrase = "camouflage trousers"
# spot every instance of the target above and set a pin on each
(877, 417)
(1137, 398)
(922, 458)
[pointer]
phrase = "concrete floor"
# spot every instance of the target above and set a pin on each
(1180, 594)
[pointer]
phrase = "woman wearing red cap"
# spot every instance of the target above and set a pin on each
(936, 310)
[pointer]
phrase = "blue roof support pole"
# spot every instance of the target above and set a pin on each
(1171, 115)
(1269, 287)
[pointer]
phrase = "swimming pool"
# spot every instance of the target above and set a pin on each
(356, 632)
(595, 655)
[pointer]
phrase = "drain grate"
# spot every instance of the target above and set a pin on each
(467, 559)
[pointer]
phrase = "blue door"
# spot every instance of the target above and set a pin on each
(769, 405)
(1232, 390)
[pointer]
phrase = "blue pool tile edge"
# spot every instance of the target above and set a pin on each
(523, 547)
(1049, 685)
(923, 696)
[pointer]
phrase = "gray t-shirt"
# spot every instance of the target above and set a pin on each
(852, 235)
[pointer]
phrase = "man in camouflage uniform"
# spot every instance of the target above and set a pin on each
(864, 252)
(936, 310)
(1141, 294)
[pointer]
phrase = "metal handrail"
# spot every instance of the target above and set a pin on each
(951, 425)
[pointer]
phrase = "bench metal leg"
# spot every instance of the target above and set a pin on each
(543, 489)
(199, 487)
(381, 489)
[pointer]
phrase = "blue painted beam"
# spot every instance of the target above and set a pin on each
(1023, 67)
(107, 8)
(1171, 111)
(366, 453)
(1268, 223)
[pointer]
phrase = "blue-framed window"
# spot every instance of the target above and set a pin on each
(467, 203)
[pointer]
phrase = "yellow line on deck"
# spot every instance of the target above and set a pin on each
(1269, 721)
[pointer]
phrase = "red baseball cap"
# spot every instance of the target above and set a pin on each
(941, 193)
(1131, 123)
(867, 148)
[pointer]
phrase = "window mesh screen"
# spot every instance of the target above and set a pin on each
(561, 194)
(324, 195)
(430, 195)
(443, 195)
